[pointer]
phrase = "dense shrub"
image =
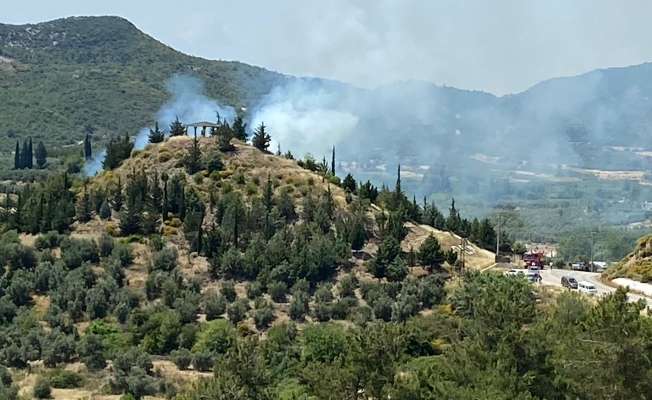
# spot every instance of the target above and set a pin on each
(64, 379)
(42, 388)
(165, 260)
(74, 252)
(203, 360)
(227, 289)
(106, 244)
(253, 289)
(182, 358)
(214, 305)
(277, 291)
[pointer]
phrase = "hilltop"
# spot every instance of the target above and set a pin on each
(245, 171)
(217, 238)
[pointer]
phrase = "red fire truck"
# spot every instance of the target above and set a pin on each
(533, 259)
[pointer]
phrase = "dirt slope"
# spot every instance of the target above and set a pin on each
(637, 265)
(475, 257)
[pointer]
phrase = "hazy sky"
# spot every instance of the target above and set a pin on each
(498, 46)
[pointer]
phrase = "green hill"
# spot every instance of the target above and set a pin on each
(58, 77)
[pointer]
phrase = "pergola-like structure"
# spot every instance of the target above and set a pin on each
(203, 125)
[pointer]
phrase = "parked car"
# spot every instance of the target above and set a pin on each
(515, 272)
(587, 287)
(569, 282)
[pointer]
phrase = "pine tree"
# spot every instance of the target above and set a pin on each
(88, 151)
(223, 135)
(239, 129)
(349, 184)
(261, 138)
(116, 151)
(17, 156)
(41, 155)
(430, 253)
(176, 128)
(155, 135)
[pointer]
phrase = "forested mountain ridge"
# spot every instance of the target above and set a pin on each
(90, 67)
(65, 75)
(62, 76)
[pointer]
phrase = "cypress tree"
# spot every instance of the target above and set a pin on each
(17, 156)
(333, 162)
(156, 193)
(182, 204)
(84, 209)
(30, 155)
(235, 224)
(88, 152)
(41, 155)
(130, 220)
(118, 197)
(24, 155)
(193, 157)
(165, 207)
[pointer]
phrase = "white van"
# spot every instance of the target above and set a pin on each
(587, 287)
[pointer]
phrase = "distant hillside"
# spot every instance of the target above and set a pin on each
(636, 265)
(60, 76)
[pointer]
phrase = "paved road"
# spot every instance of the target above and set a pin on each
(553, 277)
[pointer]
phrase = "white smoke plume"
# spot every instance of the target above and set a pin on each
(302, 119)
(187, 102)
(94, 165)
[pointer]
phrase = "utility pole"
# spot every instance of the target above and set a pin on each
(463, 250)
(498, 238)
(592, 244)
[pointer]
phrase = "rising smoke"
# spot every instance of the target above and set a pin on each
(303, 118)
(187, 102)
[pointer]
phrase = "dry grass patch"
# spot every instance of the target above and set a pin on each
(170, 371)
(27, 240)
(41, 304)
(418, 233)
